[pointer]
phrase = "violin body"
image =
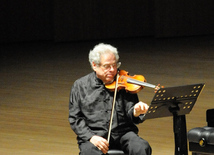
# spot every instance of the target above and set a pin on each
(123, 83)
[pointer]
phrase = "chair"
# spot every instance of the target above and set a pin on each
(201, 139)
(116, 152)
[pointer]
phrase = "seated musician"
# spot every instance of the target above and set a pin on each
(90, 107)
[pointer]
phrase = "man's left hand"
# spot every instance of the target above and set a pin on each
(140, 108)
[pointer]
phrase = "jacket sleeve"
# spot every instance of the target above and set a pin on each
(131, 100)
(76, 117)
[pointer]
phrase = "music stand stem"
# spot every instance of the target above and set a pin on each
(180, 135)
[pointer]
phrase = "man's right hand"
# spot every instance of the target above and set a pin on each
(101, 143)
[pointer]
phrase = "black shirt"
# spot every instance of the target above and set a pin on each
(90, 109)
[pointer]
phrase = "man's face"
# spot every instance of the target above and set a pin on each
(107, 69)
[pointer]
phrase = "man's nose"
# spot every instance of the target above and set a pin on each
(112, 68)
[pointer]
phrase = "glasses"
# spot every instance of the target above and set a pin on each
(108, 66)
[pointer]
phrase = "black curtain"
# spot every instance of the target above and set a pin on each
(71, 20)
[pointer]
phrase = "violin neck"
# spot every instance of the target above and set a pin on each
(141, 83)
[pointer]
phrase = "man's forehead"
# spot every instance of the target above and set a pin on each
(108, 58)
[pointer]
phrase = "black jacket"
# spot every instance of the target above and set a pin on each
(90, 109)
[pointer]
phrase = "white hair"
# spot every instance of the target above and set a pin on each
(95, 54)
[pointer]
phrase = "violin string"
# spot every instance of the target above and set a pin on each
(130, 80)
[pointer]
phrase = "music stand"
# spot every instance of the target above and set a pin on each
(177, 102)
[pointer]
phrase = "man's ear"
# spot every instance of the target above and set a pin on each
(94, 66)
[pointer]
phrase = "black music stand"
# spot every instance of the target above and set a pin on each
(177, 102)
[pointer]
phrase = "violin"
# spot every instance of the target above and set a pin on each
(132, 84)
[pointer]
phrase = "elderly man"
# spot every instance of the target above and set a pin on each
(91, 104)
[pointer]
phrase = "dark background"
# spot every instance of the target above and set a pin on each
(73, 20)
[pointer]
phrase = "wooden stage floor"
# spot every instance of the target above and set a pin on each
(36, 79)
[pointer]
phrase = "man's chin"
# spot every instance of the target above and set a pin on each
(109, 80)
